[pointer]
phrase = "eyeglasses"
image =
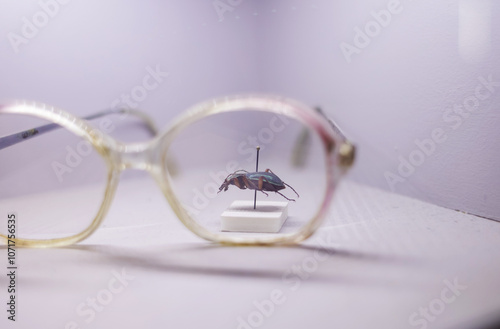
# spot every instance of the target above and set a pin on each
(59, 172)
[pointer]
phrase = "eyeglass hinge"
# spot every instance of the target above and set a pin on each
(347, 154)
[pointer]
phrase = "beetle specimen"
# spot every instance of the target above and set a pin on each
(266, 181)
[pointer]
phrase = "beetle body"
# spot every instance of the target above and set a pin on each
(265, 181)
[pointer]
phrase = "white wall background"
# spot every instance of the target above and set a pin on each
(395, 90)
(92, 52)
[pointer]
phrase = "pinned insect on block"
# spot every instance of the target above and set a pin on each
(270, 216)
(265, 181)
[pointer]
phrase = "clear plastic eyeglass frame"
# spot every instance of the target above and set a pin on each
(149, 156)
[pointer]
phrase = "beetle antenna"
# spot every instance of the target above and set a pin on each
(292, 189)
(234, 173)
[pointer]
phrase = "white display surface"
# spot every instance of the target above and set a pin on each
(268, 217)
(376, 261)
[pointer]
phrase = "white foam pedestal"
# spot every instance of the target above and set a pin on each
(268, 217)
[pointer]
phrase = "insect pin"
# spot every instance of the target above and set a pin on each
(266, 181)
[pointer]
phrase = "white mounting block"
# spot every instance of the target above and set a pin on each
(268, 217)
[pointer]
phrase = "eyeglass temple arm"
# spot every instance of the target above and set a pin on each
(347, 150)
(334, 126)
(22, 136)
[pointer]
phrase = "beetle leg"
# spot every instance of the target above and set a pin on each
(284, 196)
(247, 183)
(265, 180)
(281, 193)
(292, 189)
(237, 183)
(269, 170)
(261, 183)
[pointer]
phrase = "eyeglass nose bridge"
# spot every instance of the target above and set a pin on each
(140, 156)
